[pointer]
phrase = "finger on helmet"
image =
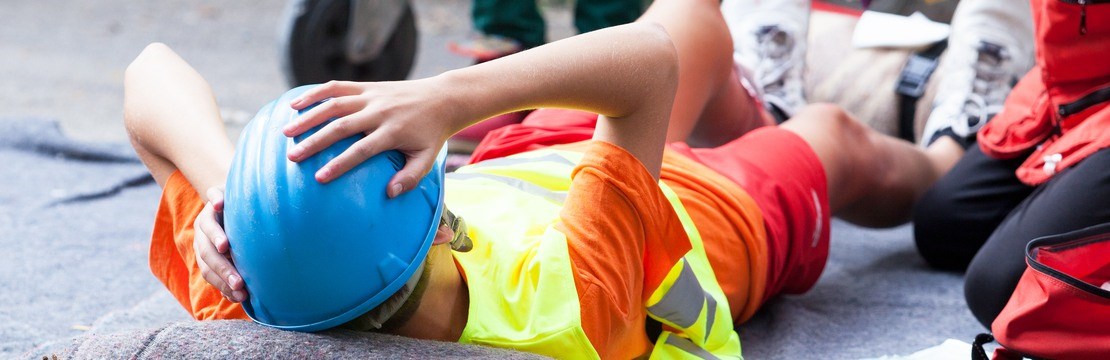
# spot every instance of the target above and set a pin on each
(359, 152)
(330, 89)
(415, 168)
(330, 109)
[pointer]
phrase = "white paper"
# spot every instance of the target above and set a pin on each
(877, 29)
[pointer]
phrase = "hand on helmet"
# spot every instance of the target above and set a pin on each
(407, 116)
(213, 250)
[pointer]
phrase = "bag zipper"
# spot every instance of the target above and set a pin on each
(1091, 99)
(1063, 111)
(1083, 237)
(1083, 11)
(1082, 17)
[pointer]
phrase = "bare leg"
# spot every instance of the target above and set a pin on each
(873, 179)
(709, 97)
(173, 121)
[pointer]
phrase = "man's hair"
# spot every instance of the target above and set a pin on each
(402, 305)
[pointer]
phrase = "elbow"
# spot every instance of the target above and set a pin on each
(138, 74)
(149, 56)
(662, 57)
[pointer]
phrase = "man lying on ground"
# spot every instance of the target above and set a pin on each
(618, 246)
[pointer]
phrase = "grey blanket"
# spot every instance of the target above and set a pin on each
(75, 222)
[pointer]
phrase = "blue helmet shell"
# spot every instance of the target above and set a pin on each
(314, 256)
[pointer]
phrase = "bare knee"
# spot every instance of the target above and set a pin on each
(831, 126)
(835, 120)
(845, 147)
(851, 141)
(827, 109)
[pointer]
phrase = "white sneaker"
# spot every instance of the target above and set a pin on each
(972, 92)
(769, 41)
(990, 48)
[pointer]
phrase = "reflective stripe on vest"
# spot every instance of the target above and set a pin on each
(532, 256)
(690, 292)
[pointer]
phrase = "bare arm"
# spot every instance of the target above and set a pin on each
(174, 124)
(628, 74)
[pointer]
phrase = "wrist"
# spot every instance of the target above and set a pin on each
(463, 102)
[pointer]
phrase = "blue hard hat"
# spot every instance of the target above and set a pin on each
(314, 256)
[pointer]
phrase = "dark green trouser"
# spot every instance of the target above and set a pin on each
(521, 20)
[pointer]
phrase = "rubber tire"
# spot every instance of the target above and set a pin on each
(315, 47)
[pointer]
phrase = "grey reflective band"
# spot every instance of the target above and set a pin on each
(682, 304)
(710, 315)
(522, 160)
(688, 346)
(527, 187)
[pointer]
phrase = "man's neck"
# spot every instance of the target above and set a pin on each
(443, 309)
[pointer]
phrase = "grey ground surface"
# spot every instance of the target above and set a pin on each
(65, 59)
(75, 217)
(80, 267)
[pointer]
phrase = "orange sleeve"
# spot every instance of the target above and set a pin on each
(618, 223)
(172, 259)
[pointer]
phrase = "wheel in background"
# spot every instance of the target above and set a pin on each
(315, 46)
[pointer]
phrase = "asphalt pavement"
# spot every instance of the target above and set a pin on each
(64, 61)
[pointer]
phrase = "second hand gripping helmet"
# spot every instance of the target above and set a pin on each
(314, 256)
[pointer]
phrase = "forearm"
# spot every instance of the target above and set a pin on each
(614, 72)
(628, 74)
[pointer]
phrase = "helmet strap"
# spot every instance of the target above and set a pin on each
(461, 241)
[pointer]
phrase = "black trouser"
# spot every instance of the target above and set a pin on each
(979, 217)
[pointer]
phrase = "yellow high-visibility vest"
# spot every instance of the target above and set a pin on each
(521, 285)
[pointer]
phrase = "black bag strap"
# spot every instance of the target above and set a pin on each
(911, 85)
(1002, 353)
(977, 351)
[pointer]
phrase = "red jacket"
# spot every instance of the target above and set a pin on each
(1061, 109)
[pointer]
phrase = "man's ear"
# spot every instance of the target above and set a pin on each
(444, 234)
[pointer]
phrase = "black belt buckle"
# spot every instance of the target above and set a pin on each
(914, 76)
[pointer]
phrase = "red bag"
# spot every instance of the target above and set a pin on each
(1060, 308)
(1060, 111)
